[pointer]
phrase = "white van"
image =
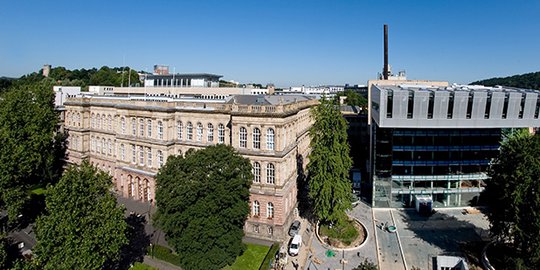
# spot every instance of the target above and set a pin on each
(294, 246)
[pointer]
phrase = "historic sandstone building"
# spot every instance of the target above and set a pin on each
(131, 138)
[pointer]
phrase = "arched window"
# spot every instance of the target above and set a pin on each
(131, 187)
(78, 119)
(68, 121)
(98, 119)
(122, 152)
(160, 130)
(103, 146)
(256, 208)
(149, 156)
(270, 174)
(98, 147)
(243, 137)
(92, 144)
(93, 120)
(179, 130)
(199, 132)
(109, 119)
(160, 158)
(146, 191)
(221, 133)
(270, 139)
(270, 210)
(133, 126)
(189, 128)
(256, 172)
(141, 156)
(141, 127)
(123, 125)
(256, 138)
(149, 128)
(110, 147)
(210, 132)
(140, 188)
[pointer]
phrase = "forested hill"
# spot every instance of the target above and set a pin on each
(528, 80)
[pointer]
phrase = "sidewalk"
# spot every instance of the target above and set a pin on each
(161, 265)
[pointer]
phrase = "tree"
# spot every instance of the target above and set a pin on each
(202, 205)
(27, 142)
(83, 227)
(329, 163)
(366, 265)
(528, 80)
(354, 99)
(514, 196)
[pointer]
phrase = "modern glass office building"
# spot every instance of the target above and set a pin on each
(439, 141)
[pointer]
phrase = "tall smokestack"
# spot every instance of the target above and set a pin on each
(385, 68)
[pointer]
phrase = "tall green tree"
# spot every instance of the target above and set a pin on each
(329, 163)
(83, 227)
(202, 205)
(514, 196)
(28, 124)
(354, 99)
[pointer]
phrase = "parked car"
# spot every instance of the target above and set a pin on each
(294, 245)
(295, 228)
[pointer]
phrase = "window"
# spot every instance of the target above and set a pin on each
(189, 128)
(256, 138)
(450, 105)
(243, 137)
(103, 146)
(270, 174)
(256, 228)
(110, 121)
(93, 144)
(270, 210)
(141, 156)
(160, 130)
(505, 107)
(470, 105)
(389, 103)
(122, 152)
(141, 127)
(133, 127)
(221, 133)
(160, 158)
(488, 105)
(256, 208)
(149, 156)
(199, 132)
(110, 147)
(537, 108)
(256, 172)
(133, 154)
(270, 139)
(123, 125)
(522, 105)
(410, 105)
(98, 119)
(93, 120)
(210, 132)
(431, 104)
(270, 230)
(179, 129)
(149, 128)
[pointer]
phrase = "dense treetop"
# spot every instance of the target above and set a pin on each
(202, 205)
(513, 195)
(528, 81)
(329, 163)
(83, 227)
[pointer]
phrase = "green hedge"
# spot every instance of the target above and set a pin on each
(265, 265)
(164, 254)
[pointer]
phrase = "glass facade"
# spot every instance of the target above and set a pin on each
(448, 164)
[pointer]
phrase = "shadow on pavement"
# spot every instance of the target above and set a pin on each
(138, 243)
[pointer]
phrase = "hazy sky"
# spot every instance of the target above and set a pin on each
(282, 42)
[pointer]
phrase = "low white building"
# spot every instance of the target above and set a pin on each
(62, 92)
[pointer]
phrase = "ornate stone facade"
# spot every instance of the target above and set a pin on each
(131, 139)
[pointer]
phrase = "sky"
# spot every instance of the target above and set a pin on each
(288, 43)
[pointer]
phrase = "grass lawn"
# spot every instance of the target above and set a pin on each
(142, 266)
(251, 259)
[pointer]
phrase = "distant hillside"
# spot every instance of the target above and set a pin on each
(528, 80)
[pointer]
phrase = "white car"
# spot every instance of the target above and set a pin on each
(294, 246)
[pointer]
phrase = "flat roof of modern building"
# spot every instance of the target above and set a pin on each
(183, 75)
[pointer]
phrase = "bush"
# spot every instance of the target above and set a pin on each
(164, 254)
(344, 232)
(265, 265)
